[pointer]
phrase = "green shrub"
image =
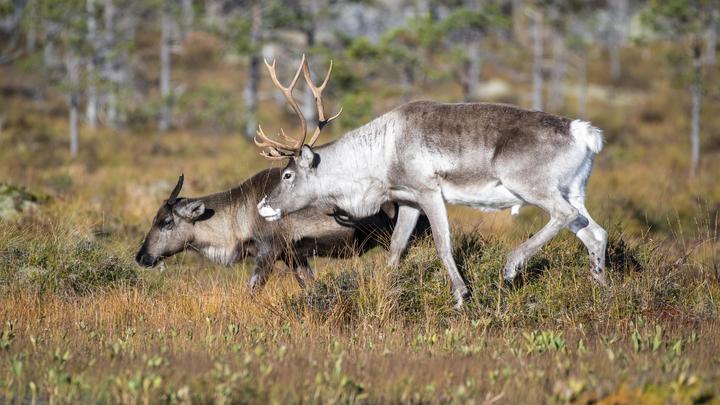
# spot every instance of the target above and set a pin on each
(51, 256)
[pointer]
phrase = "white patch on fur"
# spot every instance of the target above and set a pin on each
(587, 134)
(220, 255)
(268, 212)
(492, 196)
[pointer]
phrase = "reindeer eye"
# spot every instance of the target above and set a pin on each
(167, 223)
(287, 176)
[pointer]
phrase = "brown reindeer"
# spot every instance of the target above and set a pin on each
(226, 228)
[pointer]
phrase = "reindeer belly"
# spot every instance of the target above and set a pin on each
(489, 196)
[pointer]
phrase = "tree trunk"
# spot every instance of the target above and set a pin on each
(308, 105)
(619, 13)
(110, 62)
(474, 68)
(711, 39)
(537, 67)
(166, 43)
(614, 55)
(72, 66)
(556, 96)
(31, 35)
(74, 102)
(213, 13)
(519, 31)
(92, 95)
(696, 95)
(582, 85)
(250, 93)
(408, 82)
(188, 16)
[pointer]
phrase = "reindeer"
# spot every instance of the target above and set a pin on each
(424, 154)
(226, 228)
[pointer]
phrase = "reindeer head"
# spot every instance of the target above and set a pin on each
(172, 229)
(297, 188)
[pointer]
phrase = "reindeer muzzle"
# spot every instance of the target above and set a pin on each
(268, 212)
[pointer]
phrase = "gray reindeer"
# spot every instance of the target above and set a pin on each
(425, 154)
(226, 228)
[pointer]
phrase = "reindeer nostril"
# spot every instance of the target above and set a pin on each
(144, 260)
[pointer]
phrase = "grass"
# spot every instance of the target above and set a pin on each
(79, 322)
(91, 327)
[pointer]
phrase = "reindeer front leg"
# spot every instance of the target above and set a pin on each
(433, 205)
(407, 218)
(304, 274)
(264, 263)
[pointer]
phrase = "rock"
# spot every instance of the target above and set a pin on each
(15, 201)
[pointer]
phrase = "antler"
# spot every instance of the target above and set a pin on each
(277, 150)
(317, 92)
(172, 199)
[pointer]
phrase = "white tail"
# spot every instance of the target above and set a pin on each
(585, 133)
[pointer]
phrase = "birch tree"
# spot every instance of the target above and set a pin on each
(91, 108)
(689, 22)
(536, 15)
(72, 93)
(465, 28)
(10, 18)
(617, 25)
(167, 41)
(71, 41)
(252, 86)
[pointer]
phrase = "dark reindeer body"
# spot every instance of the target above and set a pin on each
(226, 228)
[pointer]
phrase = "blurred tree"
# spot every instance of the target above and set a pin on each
(536, 14)
(70, 38)
(11, 13)
(399, 53)
(116, 42)
(569, 29)
(72, 86)
(252, 86)
(304, 17)
(579, 37)
(187, 16)
(619, 17)
(168, 40)
(689, 22)
(464, 30)
(243, 26)
(91, 110)
(711, 37)
(558, 15)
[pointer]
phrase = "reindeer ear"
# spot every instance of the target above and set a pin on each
(189, 210)
(307, 158)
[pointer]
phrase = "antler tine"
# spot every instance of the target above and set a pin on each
(264, 141)
(317, 92)
(287, 92)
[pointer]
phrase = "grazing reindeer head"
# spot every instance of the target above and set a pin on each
(296, 188)
(172, 228)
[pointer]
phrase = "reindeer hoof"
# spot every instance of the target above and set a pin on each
(255, 282)
(509, 274)
(511, 268)
(461, 295)
(600, 278)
